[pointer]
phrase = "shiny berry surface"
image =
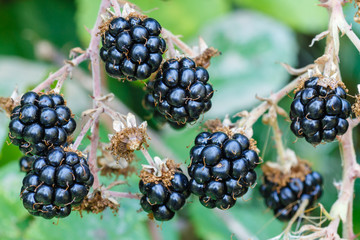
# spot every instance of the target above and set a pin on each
(132, 49)
(319, 114)
(221, 168)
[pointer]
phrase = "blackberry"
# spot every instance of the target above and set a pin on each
(132, 48)
(56, 182)
(162, 200)
(25, 163)
(40, 122)
(318, 113)
(285, 199)
(221, 168)
(180, 92)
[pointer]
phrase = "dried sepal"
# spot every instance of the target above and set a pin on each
(282, 173)
(356, 106)
(109, 166)
(128, 137)
(163, 171)
(97, 203)
(230, 128)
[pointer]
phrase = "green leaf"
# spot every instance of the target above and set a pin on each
(252, 46)
(85, 18)
(184, 17)
(12, 215)
(21, 73)
(304, 16)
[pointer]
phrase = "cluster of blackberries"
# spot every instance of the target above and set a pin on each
(55, 183)
(222, 168)
(163, 201)
(180, 92)
(26, 163)
(285, 201)
(40, 122)
(132, 48)
(318, 113)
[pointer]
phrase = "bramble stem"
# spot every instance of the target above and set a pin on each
(277, 136)
(185, 48)
(121, 194)
(86, 128)
(116, 7)
(96, 75)
(343, 206)
(257, 112)
(64, 70)
(147, 156)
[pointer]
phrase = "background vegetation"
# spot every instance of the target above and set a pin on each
(253, 36)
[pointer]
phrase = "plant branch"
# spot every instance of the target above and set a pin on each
(62, 72)
(185, 48)
(258, 111)
(342, 208)
(92, 51)
(86, 127)
(121, 194)
(147, 156)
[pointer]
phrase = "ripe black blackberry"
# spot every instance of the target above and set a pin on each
(285, 193)
(163, 198)
(40, 122)
(26, 163)
(56, 182)
(132, 48)
(221, 168)
(180, 92)
(318, 113)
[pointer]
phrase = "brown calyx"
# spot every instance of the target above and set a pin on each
(148, 176)
(96, 204)
(69, 149)
(215, 125)
(324, 82)
(8, 104)
(356, 106)
(281, 179)
(136, 15)
(203, 59)
(125, 142)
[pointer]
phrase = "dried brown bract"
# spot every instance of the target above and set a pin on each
(281, 178)
(356, 106)
(97, 204)
(7, 104)
(128, 138)
(203, 59)
(162, 172)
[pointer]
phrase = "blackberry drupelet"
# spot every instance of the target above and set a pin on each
(180, 92)
(26, 163)
(222, 168)
(163, 201)
(40, 122)
(318, 113)
(286, 200)
(56, 182)
(132, 48)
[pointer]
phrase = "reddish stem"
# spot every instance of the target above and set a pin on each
(122, 194)
(64, 70)
(96, 75)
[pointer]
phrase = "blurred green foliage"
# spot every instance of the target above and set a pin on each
(253, 36)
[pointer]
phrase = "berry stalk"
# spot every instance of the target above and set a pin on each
(62, 72)
(258, 111)
(92, 51)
